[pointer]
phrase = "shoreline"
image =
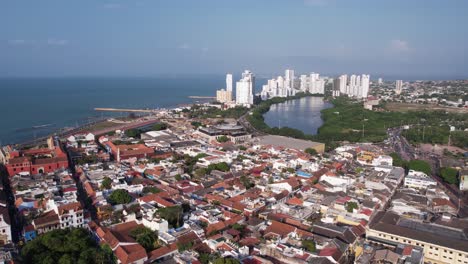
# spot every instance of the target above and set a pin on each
(257, 120)
(307, 118)
(66, 130)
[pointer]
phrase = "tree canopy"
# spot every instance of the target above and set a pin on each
(66, 246)
(151, 189)
(222, 139)
(420, 165)
(226, 261)
(449, 175)
(134, 133)
(309, 245)
(173, 215)
(397, 160)
(106, 183)
(350, 206)
(146, 237)
(310, 151)
(159, 126)
(119, 196)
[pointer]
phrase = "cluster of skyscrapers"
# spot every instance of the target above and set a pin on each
(289, 85)
(354, 86)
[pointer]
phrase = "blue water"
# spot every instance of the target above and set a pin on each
(303, 114)
(303, 174)
(68, 102)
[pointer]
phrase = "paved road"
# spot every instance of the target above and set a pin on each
(246, 124)
(407, 152)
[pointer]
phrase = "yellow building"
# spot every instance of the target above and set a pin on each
(441, 244)
(223, 96)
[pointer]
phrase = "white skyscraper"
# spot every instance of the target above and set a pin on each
(245, 88)
(398, 86)
(365, 81)
(358, 85)
(343, 83)
(289, 78)
(229, 82)
(316, 85)
(380, 81)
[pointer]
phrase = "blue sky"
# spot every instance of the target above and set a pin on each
(420, 38)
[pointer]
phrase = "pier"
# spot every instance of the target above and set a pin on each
(201, 97)
(125, 110)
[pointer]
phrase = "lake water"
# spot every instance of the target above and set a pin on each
(303, 114)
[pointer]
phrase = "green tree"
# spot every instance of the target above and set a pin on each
(151, 189)
(146, 237)
(350, 206)
(134, 133)
(226, 261)
(173, 215)
(184, 246)
(200, 172)
(397, 160)
(309, 245)
(196, 124)
(159, 126)
(246, 182)
(106, 183)
(222, 139)
(449, 175)
(119, 196)
(65, 246)
(420, 165)
(222, 166)
(311, 151)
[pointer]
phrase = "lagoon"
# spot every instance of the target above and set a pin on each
(303, 114)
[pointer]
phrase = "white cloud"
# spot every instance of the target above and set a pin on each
(398, 45)
(16, 41)
(184, 46)
(57, 42)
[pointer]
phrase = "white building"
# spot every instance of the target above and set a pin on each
(398, 86)
(229, 82)
(289, 85)
(224, 96)
(418, 180)
(380, 81)
(358, 85)
(70, 215)
(289, 78)
(245, 88)
(5, 226)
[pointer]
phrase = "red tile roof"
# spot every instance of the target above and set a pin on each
(130, 253)
(162, 251)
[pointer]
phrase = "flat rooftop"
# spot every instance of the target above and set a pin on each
(287, 142)
(455, 236)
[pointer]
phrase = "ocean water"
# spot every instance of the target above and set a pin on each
(303, 114)
(69, 102)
